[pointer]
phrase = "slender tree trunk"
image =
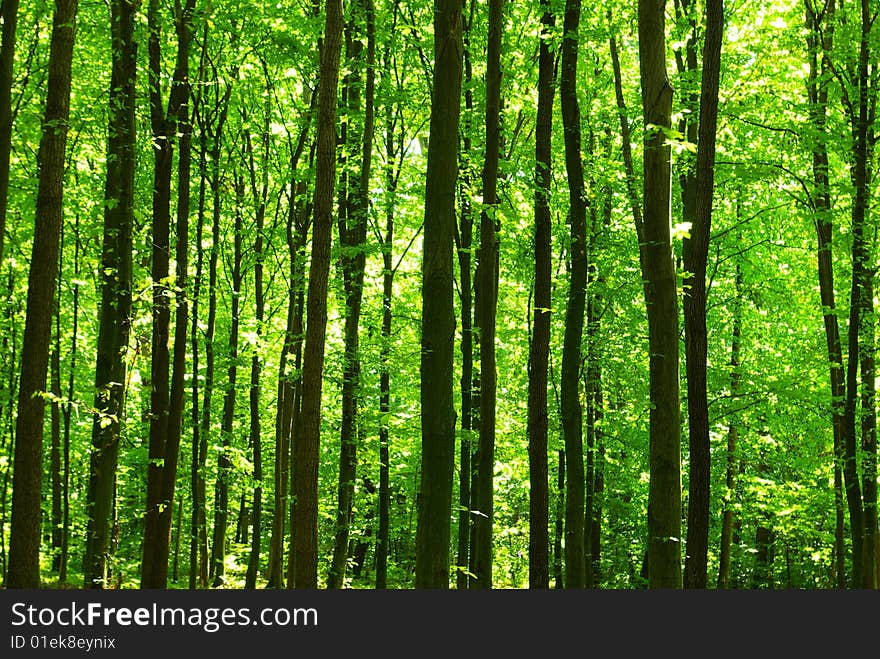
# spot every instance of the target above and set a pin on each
(260, 195)
(438, 313)
(858, 114)
(213, 135)
(696, 253)
(116, 283)
(352, 225)
(658, 272)
(819, 41)
(168, 399)
(572, 413)
(539, 346)
(66, 412)
(7, 63)
(869, 437)
(55, 450)
(469, 415)
(394, 150)
(27, 477)
(728, 508)
(488, 283)
(224, 463)
(559, 525)
(296, 239)
(307, 450)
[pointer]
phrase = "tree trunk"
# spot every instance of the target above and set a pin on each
(482, 497)
(168, 400)
(658, 272)
(27, 477)
(539, 346)
(572, 413)
(469, 416)
(7, 63)
(560, 522)
(307, 450)
(296, 239)
(212, 135)
(352, 225)
(116, 284)
(696, 253)
(859, 176)
(438, 313)
(819, 41)
(224, 463)
(727, 515)
(260, 194)
(55, 450)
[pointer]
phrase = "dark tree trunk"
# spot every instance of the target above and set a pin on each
(559, 525)
(27, 477)
(168, 401)
(819, 41)
(572, 413)
(212, 134)
(352, 224)
(224, 463)
(539, 347)
(861, 272)
(306, 451)
(696, 254)
(728, 506)
(7, 62)
(66, 410)
(394, 151)
(467, 384)
(116, 283)
(55, 450)
(438, 313)
(296, 239)
(658, 272)
(488, 284)
(260, 193)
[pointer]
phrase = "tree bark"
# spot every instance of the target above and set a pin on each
(168, 398)
(468, 382)
(352, 225)
(539, 346)
(572, 413)
(116, 283)
(483, 497)
(7, 63)
(658, 272)
(438, 313)
(696, 253)
(27, 477)
(307, 449)
(728, 506)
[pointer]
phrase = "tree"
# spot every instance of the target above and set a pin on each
(658, 272)
(572, 413)
(306, 450)
(438, 315)
(488, 286)
(696, 254)
(116, 284)
(352, 224)
(24, 544)
(539, 347)
(7, 62)
(167, 397)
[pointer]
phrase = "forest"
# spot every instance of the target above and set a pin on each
(392, 294)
